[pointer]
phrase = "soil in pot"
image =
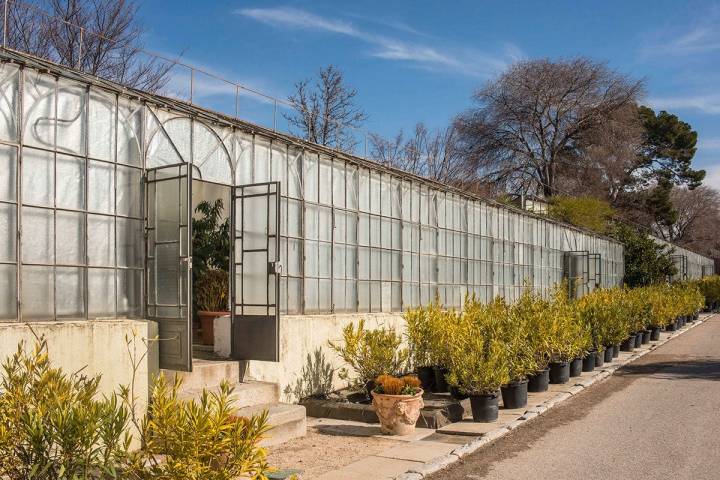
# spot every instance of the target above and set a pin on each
(589, 362)
(515, 394)
(484, 407)
(608, 354)
(599, 359)
(655, 334)
(397, 413)
(616, 351)
(559, 372)
(628, 345)
(646, 336)
(441, 385)
(426, 375)
(539, 381)
(638, 339)
(576, 367)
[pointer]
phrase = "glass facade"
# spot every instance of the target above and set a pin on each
(354, 237)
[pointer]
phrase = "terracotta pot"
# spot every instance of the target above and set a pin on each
(398, 413)
(207, 325)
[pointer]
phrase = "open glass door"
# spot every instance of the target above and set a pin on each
(256, 272)
(576, 266)
(169, 262)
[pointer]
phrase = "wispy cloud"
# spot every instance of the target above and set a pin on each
(461, 60)
(702, 37)
(712, 177)
(709, 145)
(709, 104)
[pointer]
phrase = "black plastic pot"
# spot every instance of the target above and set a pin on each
(576, 367)
(515, 394)
(457, 394)
(539, 381)
(369, 387)
(599, 359)
(690, 318)
(559, 372)
(609, 351)
(589, 362)
(696, 316)
(646, 336)
(441, 385)
(616, 350)
(638, 339)
(484, 407)
(426, 375)
(628, 345)
(671, 327)
(655, 334)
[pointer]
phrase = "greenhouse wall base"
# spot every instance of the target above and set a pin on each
(301, 337)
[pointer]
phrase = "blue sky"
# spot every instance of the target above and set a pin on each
(421, 60)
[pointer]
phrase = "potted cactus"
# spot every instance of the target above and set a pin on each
(397, 403)
(211, 300)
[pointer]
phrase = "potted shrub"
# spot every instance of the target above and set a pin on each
(518, 335)
(568, 339)
(419, 335)
(211, 300)
(478, 360)
(370, 353)
(540, 324)
(397, 402)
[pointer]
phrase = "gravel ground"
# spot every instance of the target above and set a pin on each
(656, 418)
(322, 450)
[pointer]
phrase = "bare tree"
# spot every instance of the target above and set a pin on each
(528, 123)
(431, 154)
(325, 112)
(698, 214)
(100, 37)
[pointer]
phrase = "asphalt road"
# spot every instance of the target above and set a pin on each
(657, 418)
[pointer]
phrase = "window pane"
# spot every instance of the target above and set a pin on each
(39, 110)
(70, 239)
(101, 294)
(8, 292)
(129, 243)
(8, 232)
(101, 128)
(38, 175)
(129, 128)
(8, 172)
(129, 191)
(71, 182)
(101, 240)
(129, 285)
(101, 187)
(71, 128)
(38, 295)
(9, 75)
(69, 288)
(37, 239)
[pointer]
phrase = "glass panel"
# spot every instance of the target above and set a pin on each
(9, 75)
(325, 180)
(129, 285)
(129, 243)
(129, 128)
(8, 292)
(71, 128)
(37, 238)
(255, 287)
(310, 176)
(167, 273)
(129, 191)
(255, 222)
(101, 240)
(8, 232)
(69, 289)
(8, 172)
(261, 160)
(38, 177)
(101, 187)
(102, 124)
(167, 210)
(70, 238)
(70, 182)
(38, 295)
(39, 110)
(101, 295)
(209, 155)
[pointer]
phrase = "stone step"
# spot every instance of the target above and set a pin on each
(207, 374)
(246, 394)
(287, 421)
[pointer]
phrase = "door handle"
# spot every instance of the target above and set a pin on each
(275, 268)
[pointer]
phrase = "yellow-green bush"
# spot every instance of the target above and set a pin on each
(710, 288)
(371, 353)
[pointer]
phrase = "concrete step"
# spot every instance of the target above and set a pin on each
(246, 394)
(207, 374)
(287, 421)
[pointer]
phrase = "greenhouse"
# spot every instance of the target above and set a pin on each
(99, 185)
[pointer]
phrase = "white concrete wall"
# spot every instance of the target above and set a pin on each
(98, 347)
(301, 335)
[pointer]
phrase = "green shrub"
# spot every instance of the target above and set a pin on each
(371, 353)
(569, 337)
(212, 291)
(54, 425)
(198, 439)
(419, 331)
(710, 289)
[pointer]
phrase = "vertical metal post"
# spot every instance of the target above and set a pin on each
(192, 83)
(80, 50)
(5, 22)
(237, 101)
(274, 115)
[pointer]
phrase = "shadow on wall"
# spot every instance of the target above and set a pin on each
(315, 380)
(698, 369)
